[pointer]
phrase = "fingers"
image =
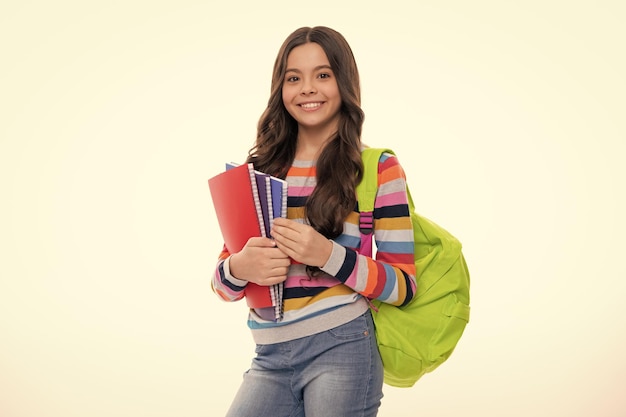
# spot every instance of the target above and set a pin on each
(273, 269)
(286, 226)
(301, 242)
(269, 275)
(285, 230)
(288, 238)
(262, 242)
(266, 261)
(275, 276)
(260, 261)
(272, 280)
(281, 221)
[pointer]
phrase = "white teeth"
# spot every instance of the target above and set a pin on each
(310, 105)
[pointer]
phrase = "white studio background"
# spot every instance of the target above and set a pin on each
(508, 118)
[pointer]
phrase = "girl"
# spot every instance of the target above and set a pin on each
(321, 358)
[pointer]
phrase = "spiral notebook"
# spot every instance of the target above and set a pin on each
(246, 201)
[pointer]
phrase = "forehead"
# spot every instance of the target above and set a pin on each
(307, 56)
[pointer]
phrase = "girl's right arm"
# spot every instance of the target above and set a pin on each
(260, 261)
(224, 284)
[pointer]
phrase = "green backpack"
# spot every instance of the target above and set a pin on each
(417, 338)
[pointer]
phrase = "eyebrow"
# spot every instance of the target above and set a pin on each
(319, 67)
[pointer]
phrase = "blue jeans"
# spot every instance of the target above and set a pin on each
(336, 373)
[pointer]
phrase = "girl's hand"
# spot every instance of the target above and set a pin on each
(301, 242)
(261, 262)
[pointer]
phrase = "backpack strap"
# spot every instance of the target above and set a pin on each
(366, 195)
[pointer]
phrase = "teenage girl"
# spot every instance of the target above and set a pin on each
(320, 359)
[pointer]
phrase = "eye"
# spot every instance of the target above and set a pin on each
(292, 79)
(324, 75)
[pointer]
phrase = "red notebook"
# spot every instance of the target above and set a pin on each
(238, 209)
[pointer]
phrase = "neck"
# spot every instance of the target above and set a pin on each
(311, 143)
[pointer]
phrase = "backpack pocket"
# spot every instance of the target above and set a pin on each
(453, 320)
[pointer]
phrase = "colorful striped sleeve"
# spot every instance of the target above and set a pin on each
(390, 277)
(227, 287)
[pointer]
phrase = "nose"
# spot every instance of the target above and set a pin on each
(308, 88)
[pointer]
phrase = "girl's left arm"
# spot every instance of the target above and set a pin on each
(390, 277)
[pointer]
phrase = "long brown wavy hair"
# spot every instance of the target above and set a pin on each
(339, 166)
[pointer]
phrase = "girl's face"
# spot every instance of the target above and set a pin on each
(310, 91)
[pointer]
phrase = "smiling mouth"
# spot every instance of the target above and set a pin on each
(311, 106)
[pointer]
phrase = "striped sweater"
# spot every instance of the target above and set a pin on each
(315, 304)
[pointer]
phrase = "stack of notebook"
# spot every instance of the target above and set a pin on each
(246, 201)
